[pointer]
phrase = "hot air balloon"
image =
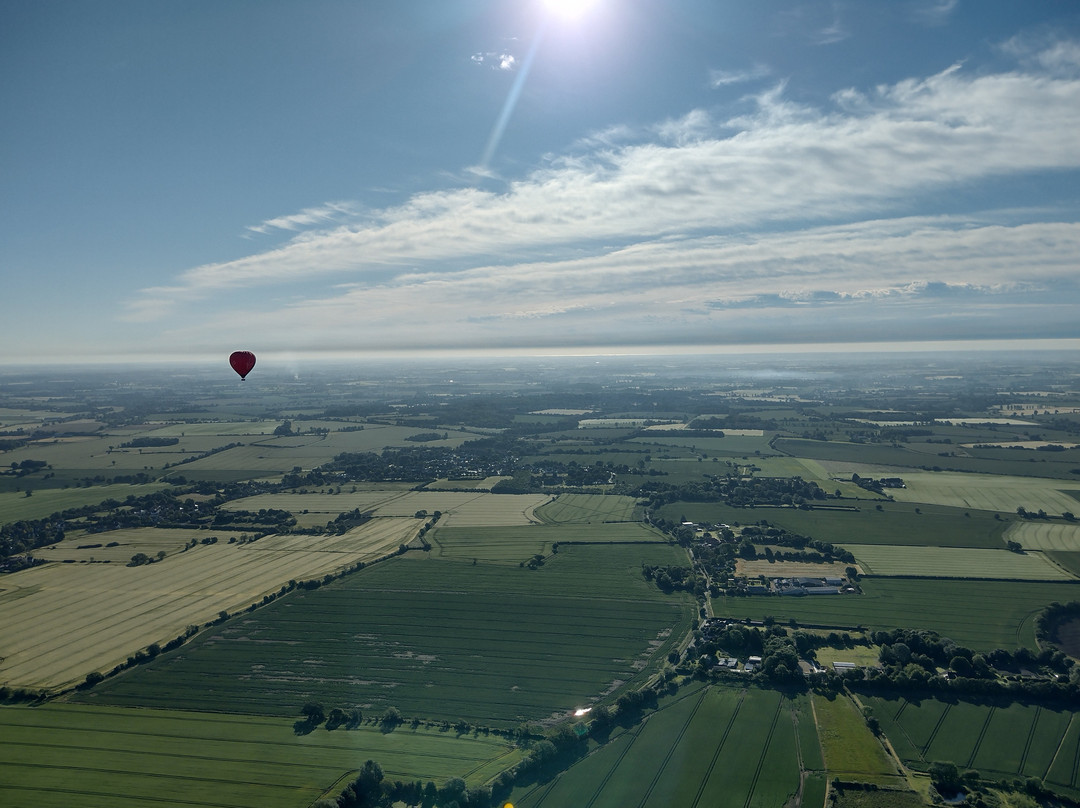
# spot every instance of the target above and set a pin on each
(242, 362)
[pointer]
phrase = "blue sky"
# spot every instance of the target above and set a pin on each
(185, 178)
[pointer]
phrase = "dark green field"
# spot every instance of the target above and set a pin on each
(981, 615)
(437, 639)
(710, 746)
(895, 523)
(1001, 741)
(63, 755)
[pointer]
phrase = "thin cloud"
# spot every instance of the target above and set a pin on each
(934, 12)
(326, 214)
(496, 60)
(724, 78)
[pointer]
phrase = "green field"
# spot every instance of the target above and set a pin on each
(710, 746)
(589, 508)
(61, 755)
(1000, 740)
(514, 544)
(955, 562)
(852, 753)
(981, 615)
(493, 645)
(47, 501)
(895, 523)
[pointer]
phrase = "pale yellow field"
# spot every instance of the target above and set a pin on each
(1045, 535)
(988, 492)
(146, 540)
(60, 622)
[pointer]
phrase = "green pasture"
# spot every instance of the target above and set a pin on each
(981, 615)
(727, 446)
(15, 507)
(1045, 535)
(895, 523)
(955, 562)
(103, 757)
(706, 746)
(852, 753)
(1001, 740)
(514, 544)
(841, 459)
(586, 508)
(494, 645)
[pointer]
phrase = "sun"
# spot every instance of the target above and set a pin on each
(568, 9)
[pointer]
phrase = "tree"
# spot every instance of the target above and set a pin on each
(313, 712)
(945, 776)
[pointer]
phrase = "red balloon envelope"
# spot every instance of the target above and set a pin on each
(242, 362)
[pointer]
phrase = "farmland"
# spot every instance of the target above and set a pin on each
(710, 746)
(895, 523)
(488, 644)
(458, 508)
(978, 614)
(988, 492)
(1003, 740)
(1046, 536)
(445, 552)
(91, 617)
(117, 757)
(851, 751)
(955, 562)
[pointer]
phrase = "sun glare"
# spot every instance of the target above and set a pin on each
(568, 9)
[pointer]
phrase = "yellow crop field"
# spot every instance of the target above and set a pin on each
(989, 492)
(790, 569)
(59, 622)
(78, 546)
(1045, 536)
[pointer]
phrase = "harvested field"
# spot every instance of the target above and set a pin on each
(956, 562)
(987, 492)
(80, 546)
(1040, 535)
(789, 569)
(60, 622)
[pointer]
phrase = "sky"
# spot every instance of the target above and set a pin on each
(351, 177)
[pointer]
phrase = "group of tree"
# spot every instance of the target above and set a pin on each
(734, 490)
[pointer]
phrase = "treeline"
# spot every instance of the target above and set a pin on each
(547, 755)
(739, 492)
(912, 660)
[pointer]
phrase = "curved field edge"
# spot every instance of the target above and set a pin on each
(93, 617)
